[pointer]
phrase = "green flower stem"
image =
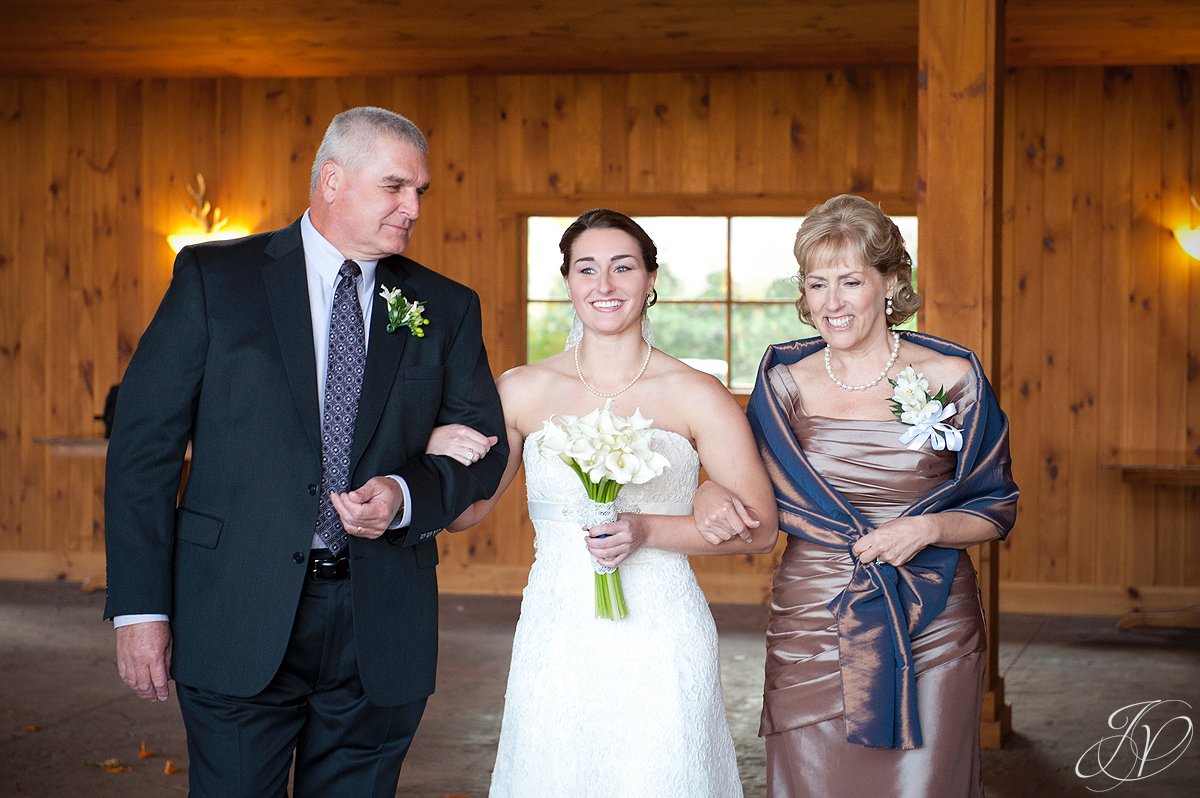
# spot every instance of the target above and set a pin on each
(617, 594)
(602, 608)
(610, 598)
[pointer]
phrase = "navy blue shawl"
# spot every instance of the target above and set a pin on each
(883, 607)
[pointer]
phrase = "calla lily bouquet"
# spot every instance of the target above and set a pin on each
(402, 313)
(912, 404)
(607, 451)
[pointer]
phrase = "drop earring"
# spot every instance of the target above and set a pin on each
(889, 309)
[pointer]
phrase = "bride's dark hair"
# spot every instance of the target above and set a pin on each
(604, 218)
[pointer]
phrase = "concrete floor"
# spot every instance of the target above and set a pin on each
(1064, 677)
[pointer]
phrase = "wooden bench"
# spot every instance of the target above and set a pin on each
(1155, 469)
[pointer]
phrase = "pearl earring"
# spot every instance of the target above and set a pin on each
(889, 308)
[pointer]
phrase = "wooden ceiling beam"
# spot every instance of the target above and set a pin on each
(335, 38)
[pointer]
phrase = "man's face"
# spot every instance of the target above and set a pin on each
(371, 212)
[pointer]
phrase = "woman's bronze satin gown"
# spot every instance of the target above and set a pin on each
(807, 752)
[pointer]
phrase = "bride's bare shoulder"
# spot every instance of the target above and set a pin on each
(694, 396)
(683, 378)
(533, 376)
(525, 391)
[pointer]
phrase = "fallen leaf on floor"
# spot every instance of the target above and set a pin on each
(30, 728)
(92, 584)
(112, 765)
(144, 752)
(169, 768)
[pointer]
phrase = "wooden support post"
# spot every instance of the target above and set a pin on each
(960, 90)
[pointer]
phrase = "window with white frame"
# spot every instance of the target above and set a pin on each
(726, 289)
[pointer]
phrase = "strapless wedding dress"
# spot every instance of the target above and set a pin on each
(622, 708)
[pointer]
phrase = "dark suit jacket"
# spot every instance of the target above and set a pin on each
(227, 364)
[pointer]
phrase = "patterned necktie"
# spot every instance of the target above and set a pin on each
(343, 383)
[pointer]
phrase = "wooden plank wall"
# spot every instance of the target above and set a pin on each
(1101, 335)
(99, 169)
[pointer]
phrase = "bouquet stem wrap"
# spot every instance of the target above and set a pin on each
(610, 599)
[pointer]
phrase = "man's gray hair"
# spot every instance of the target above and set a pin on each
(350, 137)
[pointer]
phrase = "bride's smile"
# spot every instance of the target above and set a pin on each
(608, 283)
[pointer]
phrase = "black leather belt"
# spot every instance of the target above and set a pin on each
(324, 565)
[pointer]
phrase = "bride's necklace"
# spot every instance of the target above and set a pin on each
(829, 368)
(628, 385)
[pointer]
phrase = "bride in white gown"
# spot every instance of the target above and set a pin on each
(631, 707)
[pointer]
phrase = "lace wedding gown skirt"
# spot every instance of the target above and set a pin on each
(622, 708)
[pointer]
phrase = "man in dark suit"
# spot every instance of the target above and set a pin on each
(292, 593)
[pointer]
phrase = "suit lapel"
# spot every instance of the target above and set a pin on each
(383, 358)
(287, 298)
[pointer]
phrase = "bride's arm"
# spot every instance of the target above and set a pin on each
(444, 440)
(480, 509)
(728, 454)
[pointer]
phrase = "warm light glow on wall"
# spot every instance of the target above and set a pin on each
(209, 217)
(1189, 237)
(180, 240)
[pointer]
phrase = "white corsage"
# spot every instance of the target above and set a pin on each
(402, 313)
(912, 404)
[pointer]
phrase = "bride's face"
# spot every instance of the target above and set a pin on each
(608, 283)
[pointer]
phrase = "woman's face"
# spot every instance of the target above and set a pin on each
(846, 298)
(607, 280)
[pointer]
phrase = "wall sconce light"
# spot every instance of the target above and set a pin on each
(209, 217)
(1189, 237)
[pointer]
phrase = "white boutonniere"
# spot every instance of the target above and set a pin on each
(912, 404)
(402, 313)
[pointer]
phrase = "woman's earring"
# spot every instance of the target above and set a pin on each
(889, 308)
(575, 334)
(652, 297)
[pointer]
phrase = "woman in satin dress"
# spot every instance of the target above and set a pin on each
(875, 643)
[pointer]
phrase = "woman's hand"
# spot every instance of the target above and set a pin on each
(897, 541)
(721, 516)
(611, 544)
(460, 443)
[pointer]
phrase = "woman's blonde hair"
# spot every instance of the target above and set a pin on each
(850, 220)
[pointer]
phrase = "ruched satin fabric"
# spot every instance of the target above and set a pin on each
(872, 628)
(816, 761)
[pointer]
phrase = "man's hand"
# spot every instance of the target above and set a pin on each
(367, 511)
(144, 658)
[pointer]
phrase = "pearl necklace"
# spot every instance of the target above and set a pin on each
(891, 362)
(601, 394)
